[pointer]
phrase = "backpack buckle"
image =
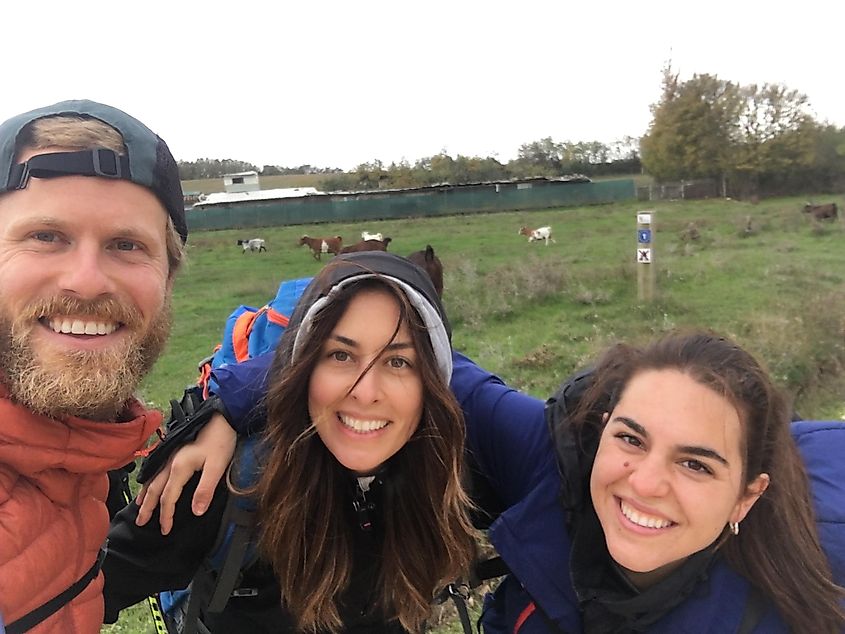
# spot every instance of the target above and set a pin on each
(245, 592)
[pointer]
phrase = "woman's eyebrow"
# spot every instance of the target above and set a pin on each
(703, 452)
(635, 426)
(396, 345)
(344, 340)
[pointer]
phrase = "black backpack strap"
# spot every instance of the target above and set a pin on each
(487, 569)
(755, 606)
(213, 585)
(36, 616)
(242, 522)
(459, 592)
(217, 579)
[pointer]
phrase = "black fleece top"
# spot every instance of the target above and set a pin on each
(141, 562)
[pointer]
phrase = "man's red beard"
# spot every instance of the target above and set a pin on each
(93, 384)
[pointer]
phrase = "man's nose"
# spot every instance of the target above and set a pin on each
(86, 272)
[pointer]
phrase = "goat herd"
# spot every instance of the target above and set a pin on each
(425, 258)
(370, 242)
(378, 242)
(334, 244)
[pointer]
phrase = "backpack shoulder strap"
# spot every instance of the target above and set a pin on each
(458, 592)
(217, 579)
(36, 616)
(240, 522)
(755, 606)
(241, 330)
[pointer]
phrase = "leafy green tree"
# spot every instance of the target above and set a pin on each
(212, 168)
(539, 158)
(829, 156)
(692, 129)
(774, 132)
(757, 137)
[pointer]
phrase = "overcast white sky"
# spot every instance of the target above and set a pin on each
(338, 83)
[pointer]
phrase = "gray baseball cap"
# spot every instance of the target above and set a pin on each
(148, 161)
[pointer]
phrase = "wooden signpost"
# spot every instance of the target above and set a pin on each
(645, 256)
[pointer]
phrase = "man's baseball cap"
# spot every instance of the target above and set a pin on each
(148, 161)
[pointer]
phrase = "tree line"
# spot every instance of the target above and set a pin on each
(755, 139)
(546, 158)
(215, 168)
(543, 158)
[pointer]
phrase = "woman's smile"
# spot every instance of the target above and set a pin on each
(362, 426)
(640, 520)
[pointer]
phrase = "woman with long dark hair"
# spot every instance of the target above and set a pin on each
(362, 516)
(673, 496)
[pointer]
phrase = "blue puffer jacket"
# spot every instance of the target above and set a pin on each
(509, 440)
(510, 444)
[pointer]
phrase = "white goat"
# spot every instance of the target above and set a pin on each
(543, 233)
(254, 244)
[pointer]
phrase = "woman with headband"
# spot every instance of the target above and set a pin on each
(361, 512)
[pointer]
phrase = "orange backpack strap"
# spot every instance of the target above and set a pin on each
(274, 316)
(240, 334)
(205, 368)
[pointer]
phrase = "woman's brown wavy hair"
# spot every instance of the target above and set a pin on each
(778, 547)
(304, 492)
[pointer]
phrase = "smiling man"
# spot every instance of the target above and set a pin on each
(92, 228)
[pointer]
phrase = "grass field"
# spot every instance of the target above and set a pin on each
(533, 314)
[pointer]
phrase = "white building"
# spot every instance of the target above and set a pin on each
(241, 182)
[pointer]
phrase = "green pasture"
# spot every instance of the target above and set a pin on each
(533, 314)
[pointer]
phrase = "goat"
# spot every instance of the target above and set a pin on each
(322, 245)
(366, 235)
(367, 245)
(253, 244)
(822, 212)
(432, 265)
(542, 233)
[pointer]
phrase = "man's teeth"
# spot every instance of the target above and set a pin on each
(643, 520)
(79, 327)
(362, 426)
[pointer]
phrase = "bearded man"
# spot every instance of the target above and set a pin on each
(92, 231)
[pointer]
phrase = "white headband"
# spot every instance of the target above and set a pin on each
(431, 318)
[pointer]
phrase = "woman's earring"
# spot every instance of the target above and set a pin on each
(734, 526)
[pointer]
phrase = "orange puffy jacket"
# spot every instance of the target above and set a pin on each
(53, 516)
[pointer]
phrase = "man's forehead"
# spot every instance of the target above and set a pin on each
(102, 204)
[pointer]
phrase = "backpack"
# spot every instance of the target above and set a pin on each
(248, 332)
(251, 331)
